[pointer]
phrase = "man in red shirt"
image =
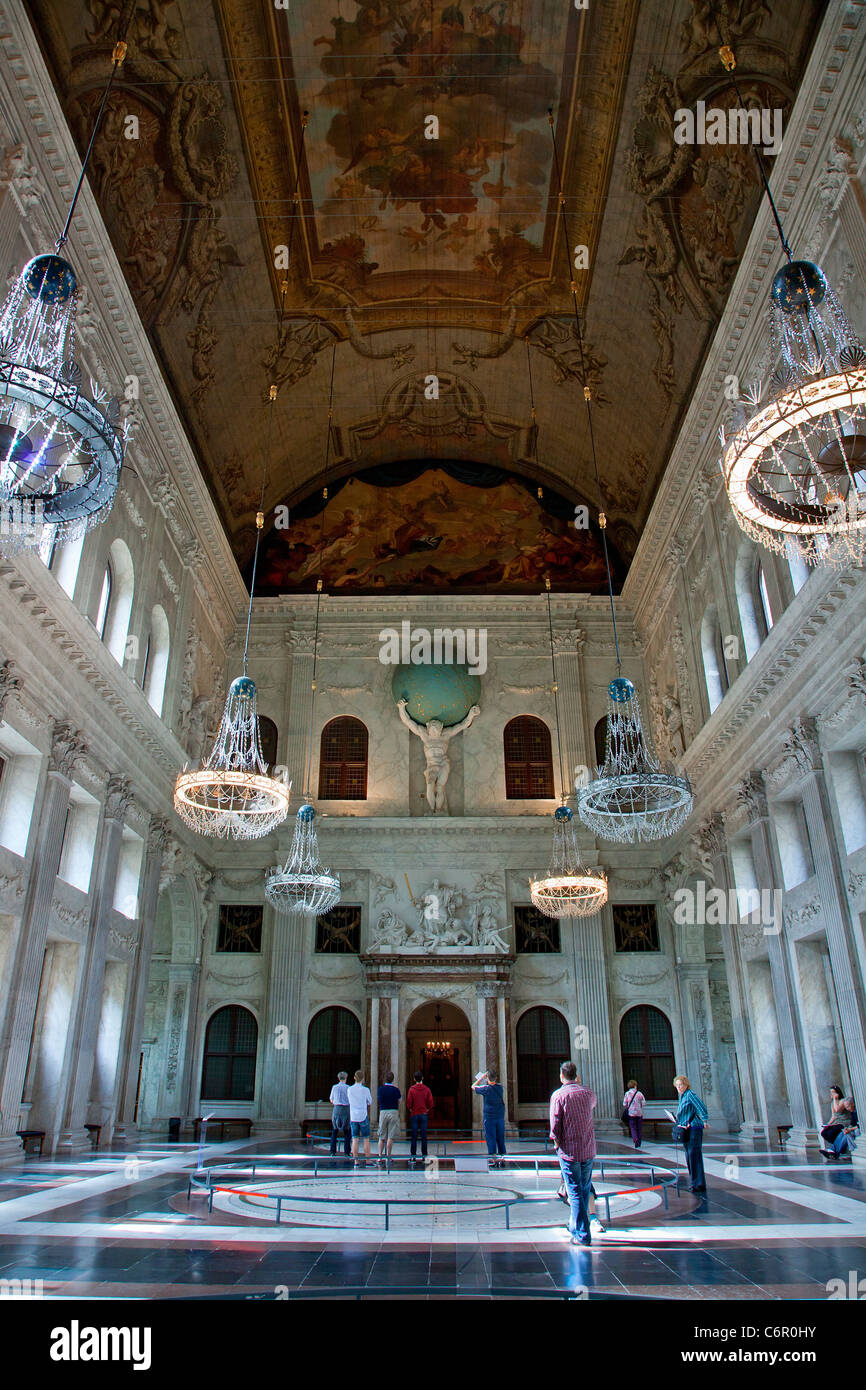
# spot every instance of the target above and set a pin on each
(419, 1103)
(573, 1135)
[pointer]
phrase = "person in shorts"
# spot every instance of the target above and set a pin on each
(360, 1101)
(389, 1117)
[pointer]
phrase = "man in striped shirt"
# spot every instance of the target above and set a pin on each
(573, 1135)
(692, 1116)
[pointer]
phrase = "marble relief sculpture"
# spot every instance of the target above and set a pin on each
(439, 927)
(435, 738)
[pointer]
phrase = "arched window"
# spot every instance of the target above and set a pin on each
(48, 546)
(65, 562)
(343, 760)
(230, 1044)
(528, 763)
(104, 599)
(115, 601)
(333, 1044)
(600, 738)
(763, 595)
(647, 1048)
(542, 1047)
(753, 601)
(797, 566)
(268, 736)
(715, 672)
(156, 659)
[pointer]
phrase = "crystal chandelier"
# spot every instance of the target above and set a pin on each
(634, 797)
(302, 885)
(568, 889)
(231, 795)
(795, 466)
(60, 450)
(795, 469)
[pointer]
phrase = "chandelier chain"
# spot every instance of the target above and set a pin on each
(587, 393)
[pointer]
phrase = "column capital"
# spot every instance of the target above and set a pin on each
(375, 990)
(802, 744)
(118, 795)
(711, 839)
(492, 989)
(67, 747)
(9, 683)
(158, 835)
(752, 795)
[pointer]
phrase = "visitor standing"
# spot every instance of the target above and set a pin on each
(573, 1135)
(633, 1103)
(340, 1115)
(692, 1117)
(487, 1086)
(360, 1101)
(419, 1103)
(389, 1117)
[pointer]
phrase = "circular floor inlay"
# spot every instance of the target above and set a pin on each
(440, 1201)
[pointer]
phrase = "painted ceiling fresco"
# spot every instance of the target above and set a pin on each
(471, 200)
(433, 532)
(410, 256)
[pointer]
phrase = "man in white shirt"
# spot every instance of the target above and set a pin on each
(360, 1101)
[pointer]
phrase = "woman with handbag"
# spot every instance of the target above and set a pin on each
(691, 1122)
(633, 1103)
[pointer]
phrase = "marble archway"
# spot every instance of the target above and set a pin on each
(449, 1075)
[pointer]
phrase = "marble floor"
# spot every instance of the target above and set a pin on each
(120, 1224)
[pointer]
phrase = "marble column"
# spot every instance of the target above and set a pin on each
(26, 966)
(371, 1075)
(828, 851)
(130, 1043)
(694, 989)
(84, 1029)
(178, 1025)
(193, 1052)
(510, 1084)
(281, 1038)
(299, 696)
(367, 1063)
(386, 1059)
(595, 1062)
(571, 693)
(712, 840)
(783, 968)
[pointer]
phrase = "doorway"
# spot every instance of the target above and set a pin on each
(439, 1044)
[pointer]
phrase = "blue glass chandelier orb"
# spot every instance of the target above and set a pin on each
(798, 285)
(306, 813)
(242, 688)
(563, 813)
(61, 450)
(620, 690)
(50, 279)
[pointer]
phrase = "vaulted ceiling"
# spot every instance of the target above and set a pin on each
(410, 256)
